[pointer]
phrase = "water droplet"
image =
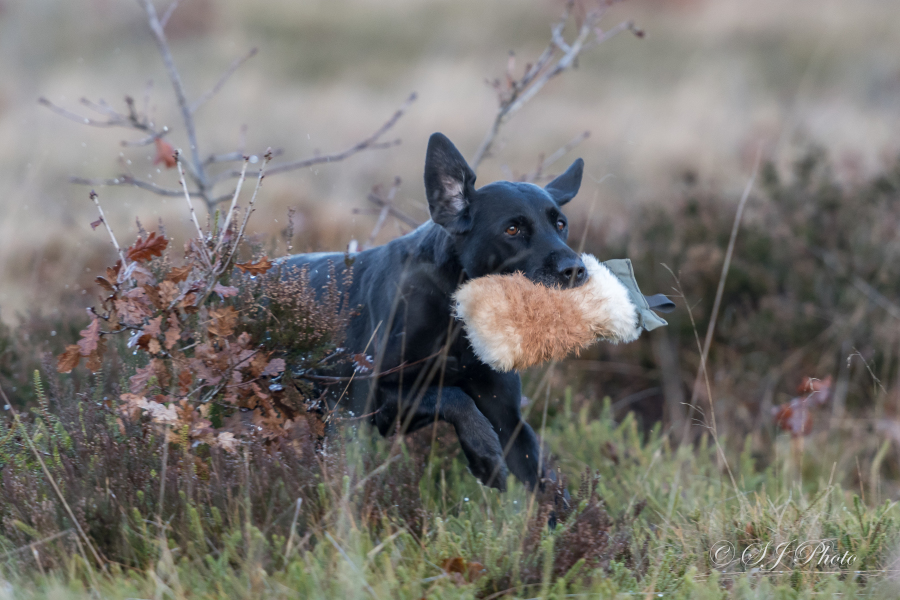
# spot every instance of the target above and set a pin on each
(53, 333)
(86, 120)
(254, 159)
(466, 499)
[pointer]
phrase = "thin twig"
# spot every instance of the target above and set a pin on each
(371, 142)
(237, 192)
(187, 196)
(128, 180)
(720, 290)
(112, 236)
(547, 162)
(234, 66)
(240, 235)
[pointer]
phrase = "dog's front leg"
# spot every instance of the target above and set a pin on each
(498, 396)
(476, 434)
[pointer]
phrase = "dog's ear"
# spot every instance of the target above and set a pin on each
(564, 187)
(449, 183)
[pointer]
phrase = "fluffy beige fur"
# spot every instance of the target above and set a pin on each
(513, 323)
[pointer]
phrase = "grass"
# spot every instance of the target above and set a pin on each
(375, 520)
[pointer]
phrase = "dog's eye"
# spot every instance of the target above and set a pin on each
(512, 230)
(560, 225)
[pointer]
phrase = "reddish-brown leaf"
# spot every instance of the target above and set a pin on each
(173, 333)
(165, 154)
(168, 292)
(105, 284)
(95, 359)
(179, 274)
(154, 347)
(152, 328)
(255, 268)
(185, 378)
(90, 337)
(96, 224)
(222, 321)
(145, 249)
(68, 360)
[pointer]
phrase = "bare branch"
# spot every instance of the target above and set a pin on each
(112, 236)
(187, 116)
(187, 196)
(240, 234)
(516, 93)
(370, 143)
(78, 118)
(237, 192)
(547, 162)
(224, 78)
(128, 180)
(168, 14)
(235, 156)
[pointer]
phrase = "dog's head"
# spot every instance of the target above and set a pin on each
(503, 227)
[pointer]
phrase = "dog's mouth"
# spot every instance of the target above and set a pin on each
(555, 281)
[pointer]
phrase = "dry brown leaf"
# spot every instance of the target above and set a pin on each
(185, 378)
(138, 382)
(227, 442)
(145, 249)
(165, 154)
(179, 274)
(168, 292)
(105, 284)
(255, 268)
(223, 321)
(68, 360)
(173, 333)
(90, 337)
(154, 347)
(152, 327)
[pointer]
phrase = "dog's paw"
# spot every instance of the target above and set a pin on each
(485, 456)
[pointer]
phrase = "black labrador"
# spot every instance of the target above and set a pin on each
(403, 293)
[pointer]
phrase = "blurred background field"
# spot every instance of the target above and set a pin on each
(676, 121)
(694, 99)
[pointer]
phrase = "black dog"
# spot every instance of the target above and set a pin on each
(403, 290)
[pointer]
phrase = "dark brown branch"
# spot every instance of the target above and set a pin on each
(222, 80)
(370, 143)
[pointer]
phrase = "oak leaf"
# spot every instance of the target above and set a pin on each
(179, 274)
(90, 337)
(173, 333)
(168, 292)
(145, 249)
(152, 327)
(223, 321)
(68, 360)
(255, 268)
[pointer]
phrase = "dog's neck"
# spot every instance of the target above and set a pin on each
(433, 244)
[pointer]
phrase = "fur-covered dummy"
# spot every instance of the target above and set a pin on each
(513, 323)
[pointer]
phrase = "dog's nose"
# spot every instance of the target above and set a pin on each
(571, 271)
